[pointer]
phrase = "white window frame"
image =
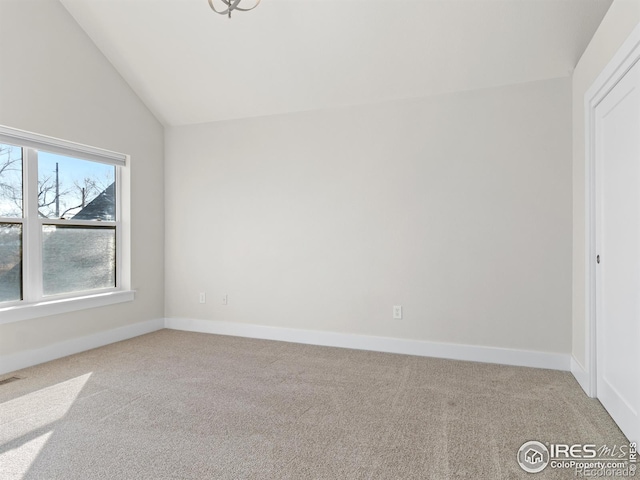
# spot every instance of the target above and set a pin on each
(34, 304)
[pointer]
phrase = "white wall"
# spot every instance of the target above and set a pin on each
(54, 81)
(616, 26)
(457, 207)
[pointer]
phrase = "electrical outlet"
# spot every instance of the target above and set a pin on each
(225, 299)
(203, 297)
(397, 312)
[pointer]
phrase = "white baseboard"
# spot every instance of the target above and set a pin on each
(17, 361)
(505, 356)
(582, 376)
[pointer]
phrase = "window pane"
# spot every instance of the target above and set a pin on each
(75, 259)
(72, 188)
(10, 181)
(10, 262)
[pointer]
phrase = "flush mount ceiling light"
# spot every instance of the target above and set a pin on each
(231, 6)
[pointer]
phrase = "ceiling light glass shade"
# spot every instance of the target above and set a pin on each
(231, 5)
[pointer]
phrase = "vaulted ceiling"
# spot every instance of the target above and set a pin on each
(190, 65)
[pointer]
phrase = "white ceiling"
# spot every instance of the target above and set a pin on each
(190, 65)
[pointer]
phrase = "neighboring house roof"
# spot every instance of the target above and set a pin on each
(103, 207)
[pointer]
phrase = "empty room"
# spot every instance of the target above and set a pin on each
(319, 239)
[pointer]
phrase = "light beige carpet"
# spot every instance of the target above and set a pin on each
(178, 405)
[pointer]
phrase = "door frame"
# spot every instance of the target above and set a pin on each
(624, 59)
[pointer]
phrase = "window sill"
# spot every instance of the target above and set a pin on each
(54, 307)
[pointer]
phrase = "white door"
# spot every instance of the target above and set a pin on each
(617, 148)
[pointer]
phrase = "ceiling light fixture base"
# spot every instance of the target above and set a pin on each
(231, 5)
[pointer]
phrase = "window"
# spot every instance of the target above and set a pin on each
(61, 229)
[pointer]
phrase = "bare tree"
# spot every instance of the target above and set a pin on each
(11, 201)
(10, 181)
(85, 190)
(47, 196)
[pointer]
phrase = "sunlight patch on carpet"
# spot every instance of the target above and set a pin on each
(27, 422)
